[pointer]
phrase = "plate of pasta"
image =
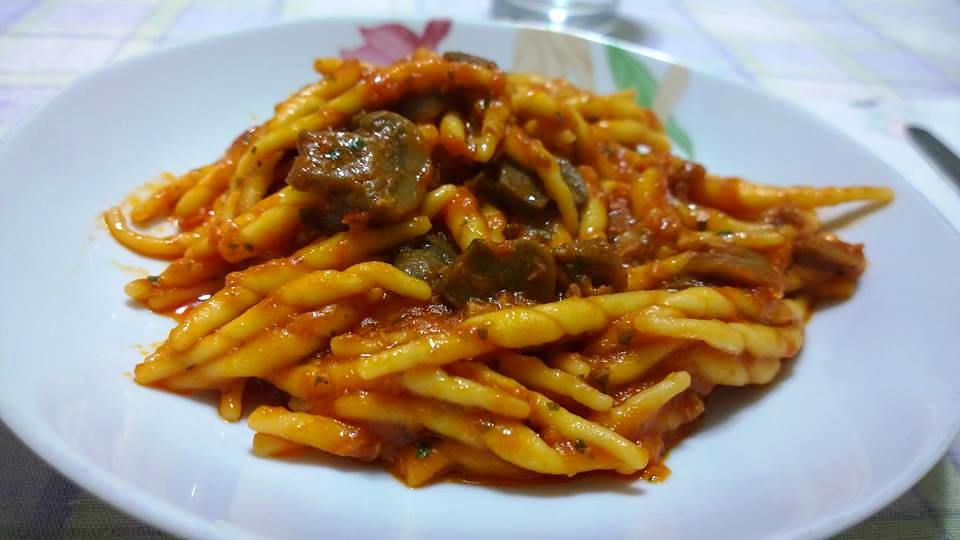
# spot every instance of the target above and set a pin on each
(434, 279)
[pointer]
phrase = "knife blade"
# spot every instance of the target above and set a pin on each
(936, 153)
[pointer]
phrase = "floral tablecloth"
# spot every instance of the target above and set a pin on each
(874, 65)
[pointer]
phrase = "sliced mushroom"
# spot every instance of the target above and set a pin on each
(424, 107)
(830, 255)
(426, 256)
(377, 173)
(486, 269)
(733, 266)
(634, 246)
(511, 186)
(589, 264)
(574, 180)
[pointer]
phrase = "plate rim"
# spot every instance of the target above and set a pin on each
(134, 501)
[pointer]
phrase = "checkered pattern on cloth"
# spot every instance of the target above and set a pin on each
(856, 52)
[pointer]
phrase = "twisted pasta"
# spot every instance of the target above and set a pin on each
(458, 271)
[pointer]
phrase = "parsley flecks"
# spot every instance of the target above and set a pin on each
(355, 144)
(153, 279)
(725, 234)
(553, 406)
(580, 446)
(624, 337)
(424, 450)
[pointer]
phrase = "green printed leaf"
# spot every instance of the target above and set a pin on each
(628, 73)
(679, 136)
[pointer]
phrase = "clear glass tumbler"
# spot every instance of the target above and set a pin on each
(595, 15)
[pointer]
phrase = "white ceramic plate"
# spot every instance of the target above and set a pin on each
(862, 414)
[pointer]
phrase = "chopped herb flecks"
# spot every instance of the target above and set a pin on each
(153, 279)
(553, 406)
(355, 144)
(580, 446)
(725, 234)
(424, 450)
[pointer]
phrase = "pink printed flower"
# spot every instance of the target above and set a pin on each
(388, 43)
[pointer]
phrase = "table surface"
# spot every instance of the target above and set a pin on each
(873, 66)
